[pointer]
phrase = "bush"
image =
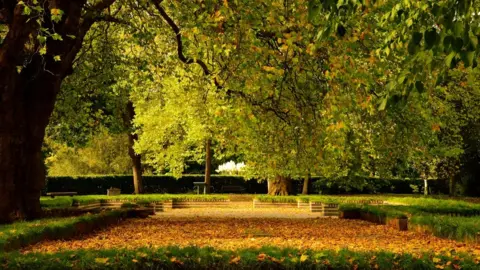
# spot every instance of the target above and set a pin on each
(367, 185)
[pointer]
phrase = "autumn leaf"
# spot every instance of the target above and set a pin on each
(235, 260)
(101, 260)
(303, 258)
(261, 257)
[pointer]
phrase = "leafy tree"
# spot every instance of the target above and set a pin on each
(103, 154)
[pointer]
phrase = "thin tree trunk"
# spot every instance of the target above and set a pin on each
(136, 159)
(425, 187)
(306, 183)
(451, 189)
(208, 165)
(136, 165)
(280, 185)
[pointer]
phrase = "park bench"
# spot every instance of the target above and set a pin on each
(53, 194)
(233, 189)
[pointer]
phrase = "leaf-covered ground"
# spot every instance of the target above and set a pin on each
(240, 232)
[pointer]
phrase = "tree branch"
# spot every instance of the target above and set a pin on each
(178, 36)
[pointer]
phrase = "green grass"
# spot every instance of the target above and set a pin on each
(58, 202)
(209, 258)
(458, 228)
(20, 234)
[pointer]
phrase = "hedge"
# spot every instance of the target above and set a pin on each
(209, 258)
(90, 185)
(368, 185)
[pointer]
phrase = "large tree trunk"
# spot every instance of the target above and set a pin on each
(280, 185)
(306, 183)
(136, 159)
(29, 84)
(208, 165)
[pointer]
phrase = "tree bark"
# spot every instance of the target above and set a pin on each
(208, 165)
(280, 185)
(306, 183)
(29, 84)
(451, 186)
(136, 159)
(425, 187)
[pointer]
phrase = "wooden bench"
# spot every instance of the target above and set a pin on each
(53, 194)
(232, 189)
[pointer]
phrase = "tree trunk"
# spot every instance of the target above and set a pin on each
(451, 186)
(280, 186)
(208, 165)
(136, 164)
(306, 183)
(136, 159)
(425, 187)
(29, 84)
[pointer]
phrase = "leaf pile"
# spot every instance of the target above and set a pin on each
(239, 233)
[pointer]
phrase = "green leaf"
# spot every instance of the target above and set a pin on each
(313, 9)
(467, 58)
(57, 58)
(420, 87)
(42, 39)
(26, 10)
(417, 38)
(430, 38)
(457, 44)
(383, 104)
(458, 28)
(449, 58)
(56, 36)
(474, 42)
(43, 50)
(447, 41)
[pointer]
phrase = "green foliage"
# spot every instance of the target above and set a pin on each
(208, 258)
(103, 154)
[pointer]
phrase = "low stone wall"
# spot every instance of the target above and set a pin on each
(259, 204)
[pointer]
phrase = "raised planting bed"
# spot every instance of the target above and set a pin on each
(375, 215)
(326, 209)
